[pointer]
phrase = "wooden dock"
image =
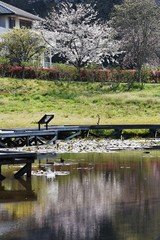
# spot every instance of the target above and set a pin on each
(47, 135)
(17, 158)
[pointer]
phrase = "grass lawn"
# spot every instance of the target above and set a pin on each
(23, 103)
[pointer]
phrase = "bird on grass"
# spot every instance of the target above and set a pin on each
(62, 160)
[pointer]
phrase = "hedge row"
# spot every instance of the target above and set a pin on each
(69, 74)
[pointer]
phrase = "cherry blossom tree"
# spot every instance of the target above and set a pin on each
(75, 33)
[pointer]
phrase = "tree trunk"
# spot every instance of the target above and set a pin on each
(78, 74)
(23, 72)
(139, 77)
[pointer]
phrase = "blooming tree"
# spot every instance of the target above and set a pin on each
(75, 33)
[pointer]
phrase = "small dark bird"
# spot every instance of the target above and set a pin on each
(62, 160)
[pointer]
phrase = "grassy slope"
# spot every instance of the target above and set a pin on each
(23, 103)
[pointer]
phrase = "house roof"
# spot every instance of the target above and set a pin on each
(7, 9)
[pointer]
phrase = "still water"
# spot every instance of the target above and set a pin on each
(111, 196)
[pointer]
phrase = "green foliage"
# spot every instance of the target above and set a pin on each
(138, 25)
(4, 63)
(66, 72)
(4, 60)
(21, 45)
(146, 75)
(93, 66)
(115, 87)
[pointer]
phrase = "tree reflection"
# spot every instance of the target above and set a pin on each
(113, 199)
(81, 205)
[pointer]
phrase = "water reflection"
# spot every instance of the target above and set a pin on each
(21, 190)
(82, 203)
(106, 196)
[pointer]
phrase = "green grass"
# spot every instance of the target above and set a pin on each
(23, 102)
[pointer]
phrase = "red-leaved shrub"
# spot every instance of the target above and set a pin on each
(86, 75)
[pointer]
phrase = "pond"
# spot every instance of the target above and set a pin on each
(111, 196)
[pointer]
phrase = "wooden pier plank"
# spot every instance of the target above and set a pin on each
(33, 136)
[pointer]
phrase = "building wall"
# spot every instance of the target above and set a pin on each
(5, 22)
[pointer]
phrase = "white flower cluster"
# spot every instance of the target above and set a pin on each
(77, 35)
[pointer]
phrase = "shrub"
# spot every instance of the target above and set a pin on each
(69, 73)
(4, 69)
(93, 75)
(66, 72)
(30, 73)
(156, 75)
(145, 75)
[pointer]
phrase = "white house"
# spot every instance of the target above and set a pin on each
(11, 17)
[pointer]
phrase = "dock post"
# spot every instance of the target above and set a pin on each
(118, 133)
(27, 141)
(153, 132)
(29, 169)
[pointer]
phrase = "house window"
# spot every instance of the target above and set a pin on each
(26, 24)
(12, 22)
(2, 22)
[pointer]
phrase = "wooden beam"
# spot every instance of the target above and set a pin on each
(53, 140)
(73, 136)
(24, 170)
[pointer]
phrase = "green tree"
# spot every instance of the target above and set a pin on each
(138, 25)
(21, 45)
